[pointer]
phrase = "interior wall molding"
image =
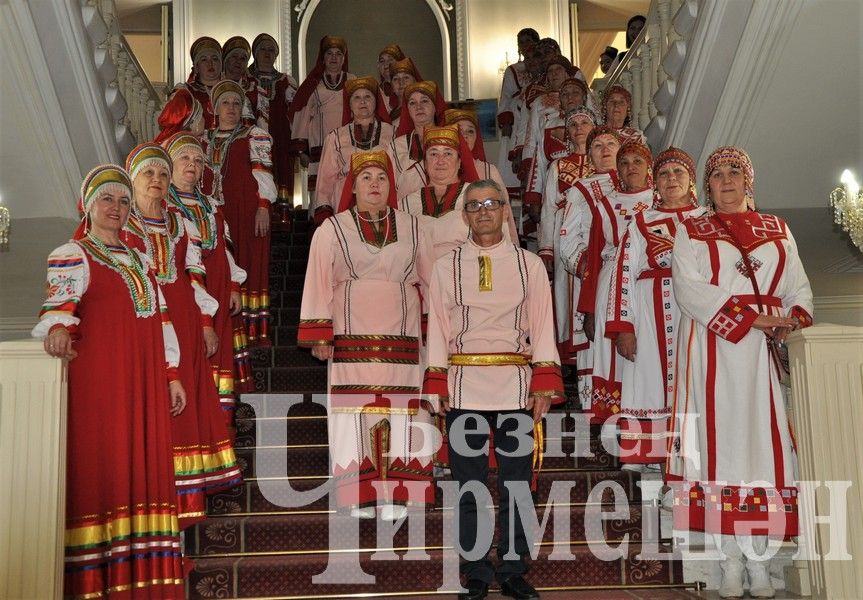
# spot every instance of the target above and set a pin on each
(181, 21)
(767, 32)
(28, 68)
(286, 48)
(307, 8)
(462, 56)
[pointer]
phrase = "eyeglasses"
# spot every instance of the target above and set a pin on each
(488, 204)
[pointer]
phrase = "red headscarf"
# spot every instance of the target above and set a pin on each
(178, 114)
(304, 92)
(364, 160)
(430, 89)
(453, 115)
(365, 83)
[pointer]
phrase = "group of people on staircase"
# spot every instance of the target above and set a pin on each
(425, 295)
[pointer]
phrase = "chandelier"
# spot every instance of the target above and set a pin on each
(847, 204)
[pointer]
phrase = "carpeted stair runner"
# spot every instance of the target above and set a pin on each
(250, 547)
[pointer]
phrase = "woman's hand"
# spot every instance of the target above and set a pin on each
(626, 345)
(589, 325)
(211, 341)
(178, 397)
(58, 344)
(323, 352)
(262, 222)
(236, 303)
(775, 327)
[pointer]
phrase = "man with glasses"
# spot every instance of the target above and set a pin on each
(492, 367)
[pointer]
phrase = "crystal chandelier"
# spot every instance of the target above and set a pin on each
(847, 204)
(5, 226)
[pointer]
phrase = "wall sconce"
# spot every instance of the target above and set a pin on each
(847, 204)
(5, 226)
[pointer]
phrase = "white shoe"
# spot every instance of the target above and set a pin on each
(634, 467)
(759, 579)
(732, 578)
(366, 512)
(393, 512)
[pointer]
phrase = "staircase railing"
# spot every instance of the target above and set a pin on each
(654, 63)
(132, 99)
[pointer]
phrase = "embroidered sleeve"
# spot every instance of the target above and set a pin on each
(575, 228)
(260, 147)
(328, 174)
(547, 221)
(508, 91)
(238, 275)
(590, 272)
(169, 337)
(546, 379)
(197, 274)
(436, 380)
(67, 280)
(795, 289)
(628, 265)
(316, 309)
(710, 305)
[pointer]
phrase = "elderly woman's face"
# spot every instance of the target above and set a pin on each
(556, 75)
(265, 55)
(362, 104)
(372, 186)
(672, 183)
(110, 210)
(603, 152)
(571, 96)
(421, 109)
(334, 58)
(208, 67)
(151, 182)
(633, 168)
(579, 128)
(384, 62)
(400, 81)
(229, 109)
(235, 64)
(442, 163)
(616, 107)
(727, 186)
(188, 168)
(468, 132)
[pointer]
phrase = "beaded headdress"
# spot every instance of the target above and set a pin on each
(233, 44)
(203, 44)
(361, 83)
(737, 157)
(144, 155)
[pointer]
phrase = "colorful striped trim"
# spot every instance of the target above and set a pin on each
(315, 332)
(376, 349)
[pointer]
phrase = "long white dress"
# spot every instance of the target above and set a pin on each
(729, 421)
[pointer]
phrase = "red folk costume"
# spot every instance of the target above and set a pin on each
(119, 479)
(204, 461)
(231, 370)
(641, 301)
(627, 133)
(253, 100)
(515, 79)
(317, 106)
(611, 216)
(405, 65)
(362, 295)
(242, 164)
(180, 113)
(732, 447)
(196, 87)
(386, 87)
(342, 142)
(407, 146)
(278, 90)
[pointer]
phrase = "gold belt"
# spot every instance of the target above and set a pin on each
(488, 360)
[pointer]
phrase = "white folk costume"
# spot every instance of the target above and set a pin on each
(731, 432)
(515, 78)
(574, 236)
(562, 175)
(641, 301)
(362, 296)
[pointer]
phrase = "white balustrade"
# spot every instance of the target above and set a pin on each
(654, 62)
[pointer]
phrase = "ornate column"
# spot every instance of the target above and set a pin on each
(32, 472)
(635, 68)
(646, 77)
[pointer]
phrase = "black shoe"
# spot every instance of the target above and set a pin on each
(476, 590)
(516, 587)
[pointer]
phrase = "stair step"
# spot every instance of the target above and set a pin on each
(286, 299)
(310, 532)
(296, 379)
(286, 282)
(272, 576)
(292, 266)
(288, 315)
(248, 498)
(283, 356)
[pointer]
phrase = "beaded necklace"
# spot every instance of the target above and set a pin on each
(333, 86)
(161, 247)
(367, 142)
(199, 211)
(133, 275)
(217, 153)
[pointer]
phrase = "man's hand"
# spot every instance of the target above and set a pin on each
(322, 352)
(539, 405)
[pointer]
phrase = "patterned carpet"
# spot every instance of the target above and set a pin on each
(253, 546)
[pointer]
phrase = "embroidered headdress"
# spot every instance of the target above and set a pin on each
(450, 137)
(737, 157)
(601, 130)
(179, 142)
(261, 38)
(393, 50)
(233, 44)
(146, 154)
(202, 44)
(363, 160)
(676, 155)
(101, 179)
(225, 86)
(453, 115)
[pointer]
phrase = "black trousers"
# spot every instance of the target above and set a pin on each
(475, 468)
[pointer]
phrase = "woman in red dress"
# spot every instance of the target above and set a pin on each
(102, 313)
(224, 277)
(204, 461)
(206, 72)
(244, 186)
